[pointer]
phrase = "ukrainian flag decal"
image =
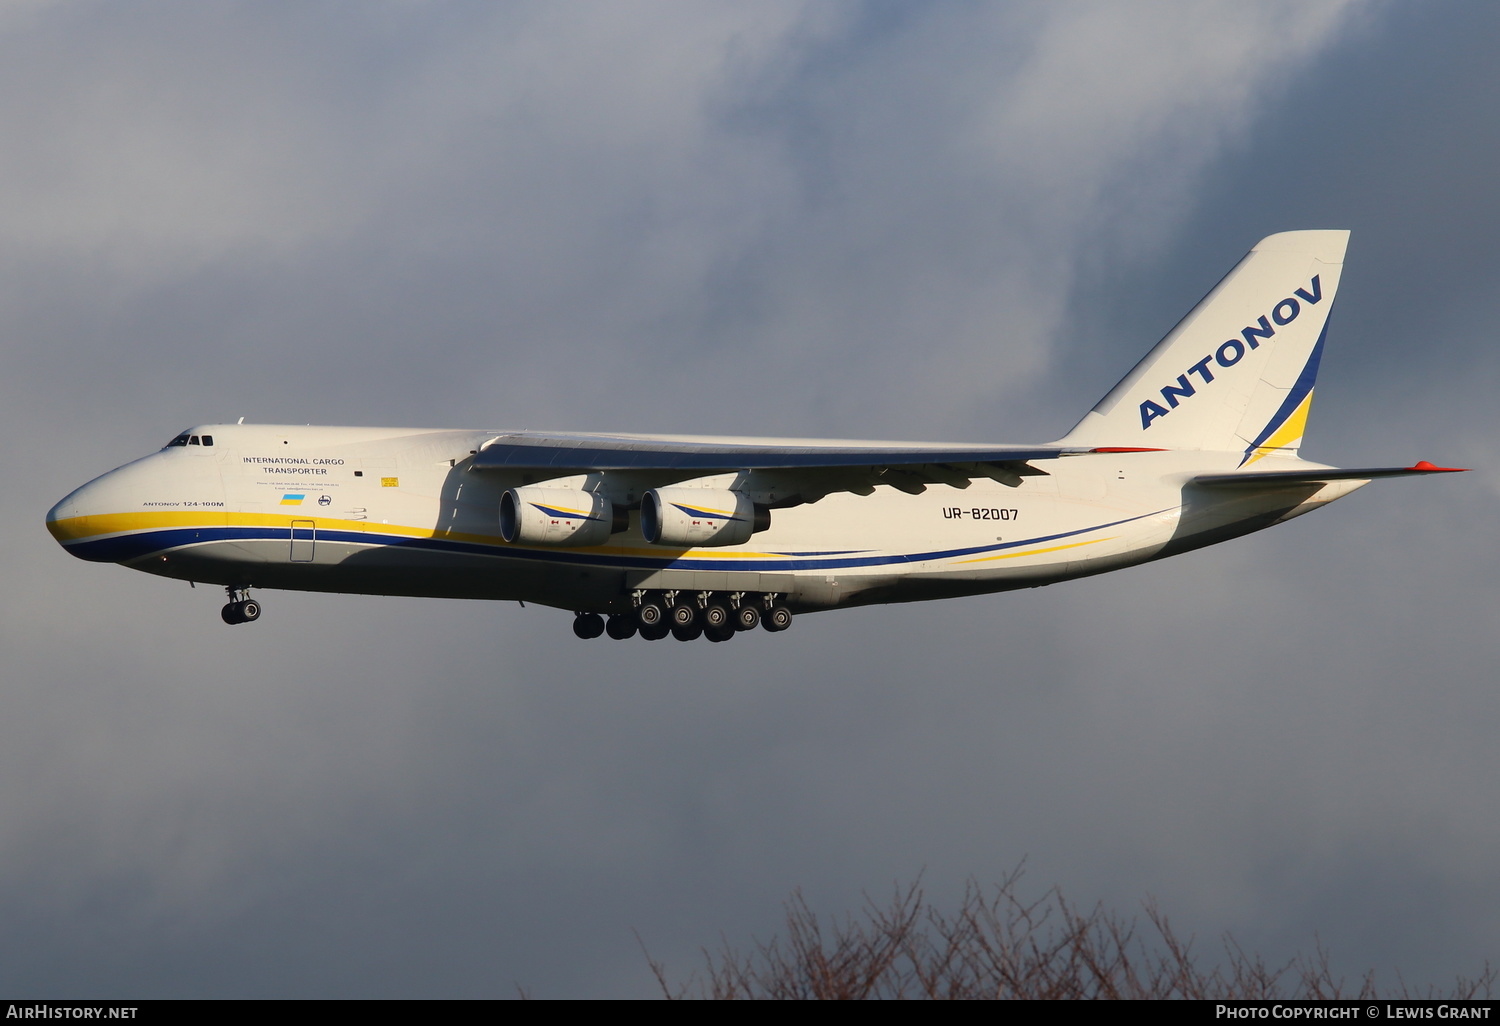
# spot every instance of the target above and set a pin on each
(293, 498)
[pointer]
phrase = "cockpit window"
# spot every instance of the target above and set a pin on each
(186, 439)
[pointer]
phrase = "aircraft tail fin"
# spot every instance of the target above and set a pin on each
(1237, 373)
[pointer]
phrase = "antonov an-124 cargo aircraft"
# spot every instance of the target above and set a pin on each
(705, 537)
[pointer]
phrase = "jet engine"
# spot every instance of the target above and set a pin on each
(700, 516)
(558, 516)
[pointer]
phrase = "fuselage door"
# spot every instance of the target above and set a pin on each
(304, 537)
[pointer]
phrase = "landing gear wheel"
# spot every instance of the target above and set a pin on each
(714, 616)
(243, 611)
(649, 614)
(746, 618)
(241, 608)
(655, 632)
(691, 632)
(620, 626)
(777, 618)
(681, 616)
(723, 633)
(588, 625)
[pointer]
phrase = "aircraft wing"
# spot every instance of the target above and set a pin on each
(1272, 478)
(807, 469)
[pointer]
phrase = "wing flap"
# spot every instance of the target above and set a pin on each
(582, 454)
(810, 471)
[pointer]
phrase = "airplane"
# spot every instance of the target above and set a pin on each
(652, 535)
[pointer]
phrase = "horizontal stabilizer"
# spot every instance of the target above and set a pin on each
(1272, 478)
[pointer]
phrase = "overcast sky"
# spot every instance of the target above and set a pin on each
(933, 221)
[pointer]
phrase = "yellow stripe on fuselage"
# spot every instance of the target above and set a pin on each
(74, 529)
(98, 525)
(1032, 552)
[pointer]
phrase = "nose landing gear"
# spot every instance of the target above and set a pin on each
(241, 607)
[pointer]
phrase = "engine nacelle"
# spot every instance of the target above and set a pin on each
(700, 516)
(558, 516)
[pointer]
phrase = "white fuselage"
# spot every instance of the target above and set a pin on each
(402, 512)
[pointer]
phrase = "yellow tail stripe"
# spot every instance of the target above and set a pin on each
(1293, 428)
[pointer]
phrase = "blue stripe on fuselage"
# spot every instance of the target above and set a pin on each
(128, 547)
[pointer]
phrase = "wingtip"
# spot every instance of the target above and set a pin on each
(1423, 467)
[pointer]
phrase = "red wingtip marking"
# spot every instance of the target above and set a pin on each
(1123, 448)
(1428, 468)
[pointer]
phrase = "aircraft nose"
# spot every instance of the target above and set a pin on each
(64, 509)
(70, 520)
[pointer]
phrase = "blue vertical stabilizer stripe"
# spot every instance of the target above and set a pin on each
(1300, 389)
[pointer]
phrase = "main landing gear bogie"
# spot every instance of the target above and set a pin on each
(588, 625)
(777, 618)
(241, 608)
(621, 626)
(690, 631)
(746, 618)
(688, 616)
